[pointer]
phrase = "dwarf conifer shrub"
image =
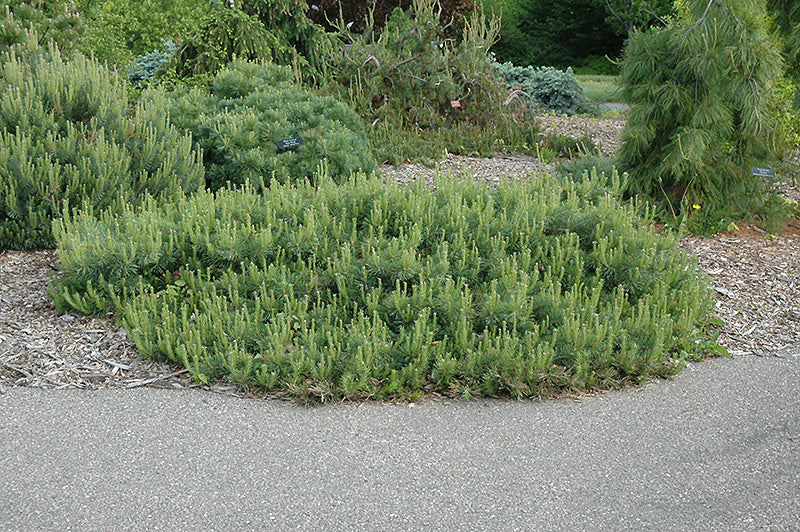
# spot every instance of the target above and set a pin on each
(69, 139)
(411, 75)
(250, 109)
(22, 20)
(367, 289)
(146, 67)
(546, 87)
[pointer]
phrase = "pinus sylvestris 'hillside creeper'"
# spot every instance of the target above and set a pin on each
(68, 139)
(365, 289)
(699, 121)
(251, 108)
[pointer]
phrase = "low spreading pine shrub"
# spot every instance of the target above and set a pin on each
(69, 139)
(250, 109)
(546, 87)
(370, 290)
(22, 20)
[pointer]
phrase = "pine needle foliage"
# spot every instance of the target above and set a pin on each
(256, 30)
(415, 80)
(68, 139)
(786, 20)
(370, 290)
(64, 27)
(699, 121)
(251, 107)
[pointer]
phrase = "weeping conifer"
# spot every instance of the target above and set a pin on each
(786, 20)
(255, 30)
(699, 123)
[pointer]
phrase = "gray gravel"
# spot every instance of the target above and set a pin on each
(717, 448)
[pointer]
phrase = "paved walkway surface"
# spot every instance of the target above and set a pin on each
(717, 448)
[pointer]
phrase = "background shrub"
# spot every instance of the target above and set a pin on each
(405, 82)
(372, 15)
(546, 87)
(147, 66)
(580, 34)
(257, 30)
(371, 290)
(120, 30)
(412, 73)
(554, 32)
(68, 138)
(250, 109)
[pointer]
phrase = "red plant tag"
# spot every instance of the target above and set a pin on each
(455, 103)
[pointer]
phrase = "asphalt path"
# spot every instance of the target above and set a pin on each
(716, 448)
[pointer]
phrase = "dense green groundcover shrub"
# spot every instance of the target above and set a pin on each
(68, 138)
(546, 87)
(371, 290)
(250, 109)
(22, 20)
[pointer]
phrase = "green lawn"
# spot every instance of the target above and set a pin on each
(599, 88)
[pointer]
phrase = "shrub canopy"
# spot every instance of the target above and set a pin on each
(366, 289)
(69, 139)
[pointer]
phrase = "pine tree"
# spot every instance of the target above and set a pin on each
(256, 30)
(786, 19)
(699, 121)
(69, 139)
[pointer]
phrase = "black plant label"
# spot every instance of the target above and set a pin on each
(288, 144)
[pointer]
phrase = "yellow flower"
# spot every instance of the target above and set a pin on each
(695, 206)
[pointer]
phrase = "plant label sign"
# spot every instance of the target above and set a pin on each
(288, 144)
(763, 172)
(455, 103)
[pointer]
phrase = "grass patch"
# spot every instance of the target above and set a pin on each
(600, 88)
(370, 290)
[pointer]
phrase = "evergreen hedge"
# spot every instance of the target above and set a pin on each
(250, 109)
(370, 290)
(68, 139)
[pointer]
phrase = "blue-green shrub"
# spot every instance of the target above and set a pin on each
(147, 66)
(547, 87)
